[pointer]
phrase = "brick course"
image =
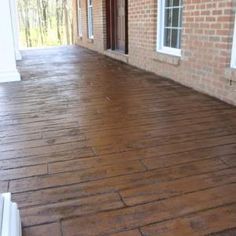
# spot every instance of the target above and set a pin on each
(206, 43)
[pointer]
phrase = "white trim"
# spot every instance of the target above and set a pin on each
(233, 57)
(1, 212)
(79, 20)
(10, 217)
(8, 70)
(15, 28)
(170, 51)
(6, 218)
(9, 76)
(15, 225)
(90, 19)
(160, 32)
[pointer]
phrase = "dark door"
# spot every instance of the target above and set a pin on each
(120, 25)
(117, 25)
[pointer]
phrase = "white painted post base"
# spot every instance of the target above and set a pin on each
(9, 76)
(10, 223)
(8, 71)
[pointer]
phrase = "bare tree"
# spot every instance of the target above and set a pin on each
(40, 25)
(45, 22)
(66, 22)
(27, 24)
(58, 13)
(45, 15)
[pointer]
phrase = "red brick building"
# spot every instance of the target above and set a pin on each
(191, 41)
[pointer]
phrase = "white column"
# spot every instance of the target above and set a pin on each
(8, 71)
(15, 27)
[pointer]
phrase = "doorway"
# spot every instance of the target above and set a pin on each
(117, 25)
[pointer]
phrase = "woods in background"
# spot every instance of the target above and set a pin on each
(45, 22)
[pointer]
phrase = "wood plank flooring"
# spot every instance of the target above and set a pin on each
(94, 147)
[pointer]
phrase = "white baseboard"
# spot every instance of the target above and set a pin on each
(9, 76)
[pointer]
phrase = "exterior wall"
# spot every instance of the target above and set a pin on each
(206, 44)
(99, 21)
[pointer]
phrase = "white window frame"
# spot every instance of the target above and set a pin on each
(233, 57)
(80, 27)
(90, 19)
(160, 32)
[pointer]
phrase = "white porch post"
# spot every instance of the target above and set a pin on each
(8, 71)
(15, 28)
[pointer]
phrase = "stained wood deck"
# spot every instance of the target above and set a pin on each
(91, 146)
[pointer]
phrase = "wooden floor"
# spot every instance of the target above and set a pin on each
(91, 146)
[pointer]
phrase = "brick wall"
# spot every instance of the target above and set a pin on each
(206, 44)
(99, 15)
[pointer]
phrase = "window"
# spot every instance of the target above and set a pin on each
(90, 19)
(169, 26)
(79, 18)
(233, 58)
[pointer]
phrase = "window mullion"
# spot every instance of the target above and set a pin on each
(178, 31)
(171, 27)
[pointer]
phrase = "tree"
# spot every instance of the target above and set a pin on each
(66, 22)
(58, 13)
(45, 22)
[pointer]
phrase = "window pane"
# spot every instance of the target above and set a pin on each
(173, 3)
(174, 38)
(176, 3)
(175, 17)
(168, 17)
(167, 38)
(169, 3)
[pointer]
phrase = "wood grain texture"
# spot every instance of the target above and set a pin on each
(200, 223)
(140, 215)
(128, 233)
(91, 146)
(48, 229)
(71, 208)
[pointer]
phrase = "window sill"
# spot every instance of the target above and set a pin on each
(168, 58)
(90, 40)
(175, 53)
